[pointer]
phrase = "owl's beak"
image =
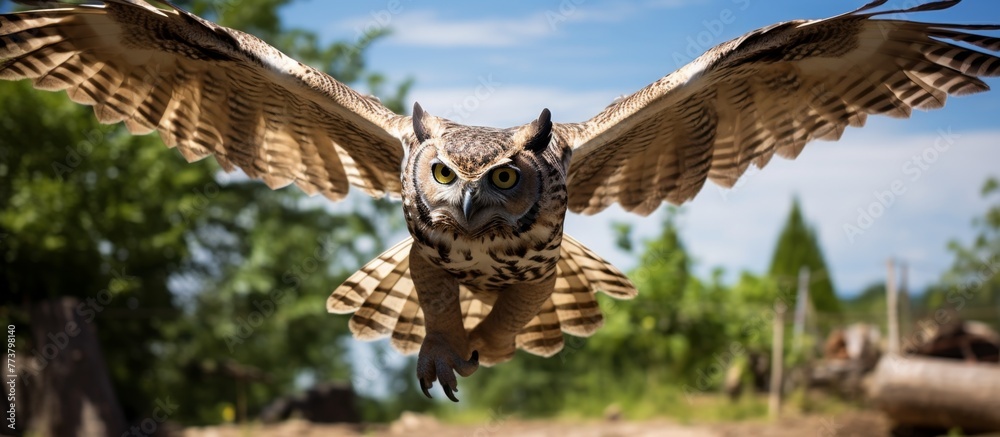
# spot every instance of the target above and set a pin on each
(467, 205)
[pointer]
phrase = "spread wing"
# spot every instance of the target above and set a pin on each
(770, 91)
(208, 90)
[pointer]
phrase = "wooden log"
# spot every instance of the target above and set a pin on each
(959, 340)
(939, 393)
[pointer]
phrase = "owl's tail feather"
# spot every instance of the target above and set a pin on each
(573, 307)
(384, 302)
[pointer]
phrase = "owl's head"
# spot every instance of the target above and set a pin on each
(478, 180)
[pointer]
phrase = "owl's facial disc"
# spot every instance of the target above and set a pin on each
(498, 198)
(476, 180)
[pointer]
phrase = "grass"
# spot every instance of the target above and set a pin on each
(664, 403)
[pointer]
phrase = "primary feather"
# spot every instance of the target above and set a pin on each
(208, 90)
(769, 92)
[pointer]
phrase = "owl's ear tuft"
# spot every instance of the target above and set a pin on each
(420, 123)
(538, 133)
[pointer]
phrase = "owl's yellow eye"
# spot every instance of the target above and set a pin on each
(442, 174)
(504, 178)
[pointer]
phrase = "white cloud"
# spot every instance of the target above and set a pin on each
(427, 28)
(509, 105)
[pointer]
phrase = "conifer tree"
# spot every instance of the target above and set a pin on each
(798, 246)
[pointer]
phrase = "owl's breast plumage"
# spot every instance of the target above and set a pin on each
(492, 262)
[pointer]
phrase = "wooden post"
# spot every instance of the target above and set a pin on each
(801, 306)
(905, 317)
(777, 361)
(892, 307)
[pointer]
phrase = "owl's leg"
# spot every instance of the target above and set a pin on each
(516, 305)
(446, 343)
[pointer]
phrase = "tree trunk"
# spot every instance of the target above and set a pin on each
(934, 392)
(70, 388)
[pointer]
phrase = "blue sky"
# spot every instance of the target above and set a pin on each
(576, 56)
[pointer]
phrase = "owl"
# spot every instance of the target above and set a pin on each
(487, 269)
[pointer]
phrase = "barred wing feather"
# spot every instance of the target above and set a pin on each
(208, 90)
(769, 92)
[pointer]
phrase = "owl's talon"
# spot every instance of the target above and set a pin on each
(438, 362)
(425, 385)
(448, 392)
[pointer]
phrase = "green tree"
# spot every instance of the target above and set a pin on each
(869, 305)
(971, 287)
(797, 247)
(172, 263)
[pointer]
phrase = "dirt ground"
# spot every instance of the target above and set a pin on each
(848, 424)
